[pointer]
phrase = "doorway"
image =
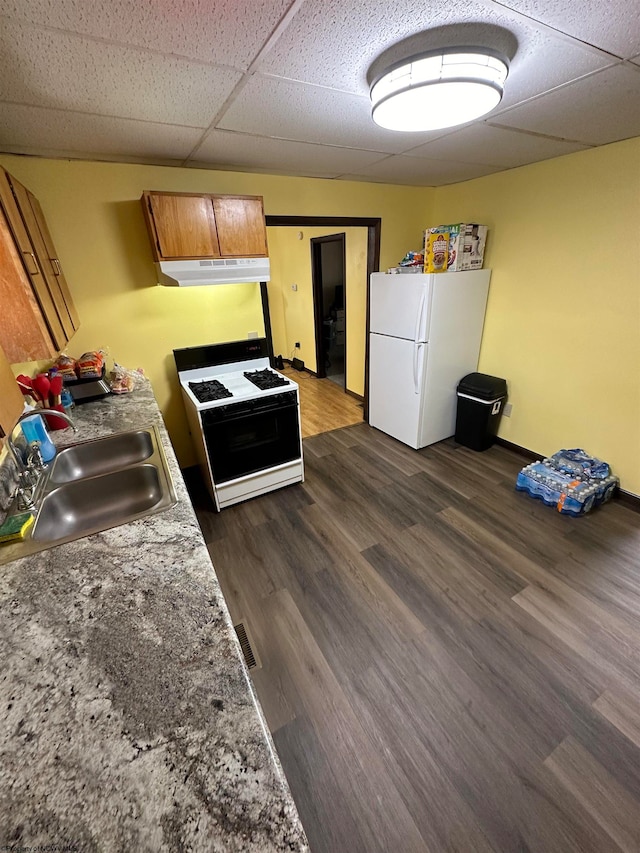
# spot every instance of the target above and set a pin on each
(373, 226)
(328, 277)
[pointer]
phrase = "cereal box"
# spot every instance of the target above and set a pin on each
(454, 252)
(436, 251)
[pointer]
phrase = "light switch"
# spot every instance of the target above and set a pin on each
(294, 287)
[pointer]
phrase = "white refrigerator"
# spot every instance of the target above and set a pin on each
(425, 333)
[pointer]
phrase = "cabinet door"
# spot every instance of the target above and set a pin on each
(241, 226)
(24, 335)
(11, 399)
(181, 225)
(33, 219)
(27, 252)
(52, 262)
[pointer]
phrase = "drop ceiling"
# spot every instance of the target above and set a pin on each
(281, 87)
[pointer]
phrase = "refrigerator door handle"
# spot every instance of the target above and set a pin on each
(420, 334)
(416, 358)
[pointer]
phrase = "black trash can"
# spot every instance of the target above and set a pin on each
(481, 400)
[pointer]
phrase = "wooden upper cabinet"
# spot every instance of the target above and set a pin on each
(40, 316)
(187, 226)
(53, 267)
(241, 228)
(181, 225)
(24, 334)
(11, 399)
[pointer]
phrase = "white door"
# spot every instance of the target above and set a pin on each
(396, 372)
(399, 305)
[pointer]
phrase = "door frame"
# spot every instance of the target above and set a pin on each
(317, 288)
(374, 227)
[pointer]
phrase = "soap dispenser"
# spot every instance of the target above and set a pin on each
(33, 429)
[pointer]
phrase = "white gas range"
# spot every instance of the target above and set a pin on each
(244, 417)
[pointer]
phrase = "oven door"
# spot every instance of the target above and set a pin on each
(251, 436)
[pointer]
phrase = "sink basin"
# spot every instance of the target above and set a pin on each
(96, 485)
(89, 505)
(101, 456)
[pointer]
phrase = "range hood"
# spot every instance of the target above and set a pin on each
(213, 271)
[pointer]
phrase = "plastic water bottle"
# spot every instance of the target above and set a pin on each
(67, 400)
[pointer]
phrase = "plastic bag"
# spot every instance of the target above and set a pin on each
(122, 380)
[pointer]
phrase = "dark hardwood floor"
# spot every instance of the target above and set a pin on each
(445, 663)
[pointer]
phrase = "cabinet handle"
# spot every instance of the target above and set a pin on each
(35, 271)
(56, 266)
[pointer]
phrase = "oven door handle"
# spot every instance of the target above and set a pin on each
(208, 416)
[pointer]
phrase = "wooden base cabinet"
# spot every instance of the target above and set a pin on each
(38, 314)
(188, 226)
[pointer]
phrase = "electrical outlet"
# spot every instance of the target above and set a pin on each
(294, 287)
(297, 345)
(508, 408)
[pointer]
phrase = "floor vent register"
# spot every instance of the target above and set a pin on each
(245, 644)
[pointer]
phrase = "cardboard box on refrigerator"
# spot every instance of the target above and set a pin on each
(473, 238)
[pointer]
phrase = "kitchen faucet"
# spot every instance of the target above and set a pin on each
(29, 470)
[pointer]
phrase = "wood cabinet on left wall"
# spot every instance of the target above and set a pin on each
(38, 316)
(11, 399)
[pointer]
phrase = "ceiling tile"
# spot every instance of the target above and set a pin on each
(52, 69)
(227, 32)
(611, 27)
(37, 130)
(334, 43)
(494, 146)
(309, 98)
(222, 148)
(418, 172)
(288, 110)
(601, 108)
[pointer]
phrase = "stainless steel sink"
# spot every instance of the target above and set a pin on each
(101, 456)
(96, 485)
(94, 504)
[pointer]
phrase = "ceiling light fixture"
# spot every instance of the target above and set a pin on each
(438, 89)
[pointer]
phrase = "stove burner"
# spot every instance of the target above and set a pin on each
(265, 379)
(209, 390)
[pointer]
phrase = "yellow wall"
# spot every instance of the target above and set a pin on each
(292, 317)
(95, 217)
(563, 318)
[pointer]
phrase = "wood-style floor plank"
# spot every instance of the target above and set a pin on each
(622, 711)
(359, 771)
(601, 796)
(446, 664)
(323, 404)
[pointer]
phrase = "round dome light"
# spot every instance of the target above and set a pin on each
(439, 89)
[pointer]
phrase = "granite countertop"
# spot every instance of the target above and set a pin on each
(128, 718)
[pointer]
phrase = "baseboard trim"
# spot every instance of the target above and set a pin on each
(626, 498)
(353, 394)
(531, 455)
(305, 369)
